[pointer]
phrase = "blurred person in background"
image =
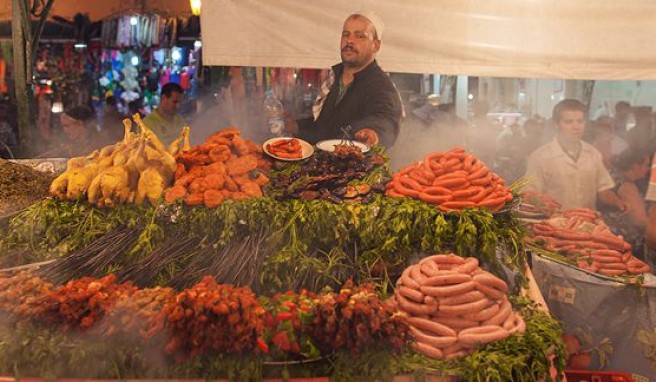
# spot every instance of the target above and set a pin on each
(534, 131)
(78, 137)
(602, 111)
(73, 122)
(165, 121)
(112, 127)
(519, 145)
(427, 111)
(136, 107)
(214, 114)
(510, 156)
(641, 136)
(8, 140)
(481, 137)
(568, 169)
(450, 117)
(8, 135)
(623, 111)
(606, 141)
(427, 129)
(650, 230)
(630, 167)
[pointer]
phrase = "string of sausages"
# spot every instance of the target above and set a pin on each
(451, 180)
(453, 306)
(580, 234)
(536, 202)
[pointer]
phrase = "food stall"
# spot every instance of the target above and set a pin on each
(125, 260)
(280, 260)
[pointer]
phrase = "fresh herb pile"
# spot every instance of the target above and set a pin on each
(300, 244)
(51, 229)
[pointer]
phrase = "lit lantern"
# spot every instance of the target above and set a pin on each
(195, 7)
(57, 107)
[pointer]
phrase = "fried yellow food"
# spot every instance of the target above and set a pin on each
(135, 169)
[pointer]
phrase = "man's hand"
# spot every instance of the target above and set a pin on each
(367, 136)
(610, 198)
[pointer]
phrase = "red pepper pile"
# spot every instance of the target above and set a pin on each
(287, 319)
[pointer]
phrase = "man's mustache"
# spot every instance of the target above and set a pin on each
(349, 48)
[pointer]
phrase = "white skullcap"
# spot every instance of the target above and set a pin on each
(377, 21)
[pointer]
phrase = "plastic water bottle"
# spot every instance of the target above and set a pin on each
(275, 114)
(630, 122)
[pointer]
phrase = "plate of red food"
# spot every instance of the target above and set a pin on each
(288, 149)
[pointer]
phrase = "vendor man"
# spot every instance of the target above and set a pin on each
(165, 121)
(358, 93)
(569, 169)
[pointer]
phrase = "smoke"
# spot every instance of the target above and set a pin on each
(426, 129)
(113, 347)
(504, 149)
(71, 138)
(417, 139)
(220, 110)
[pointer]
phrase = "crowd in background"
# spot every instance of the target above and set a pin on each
(505, 147)
(624, 141)
(625, 145)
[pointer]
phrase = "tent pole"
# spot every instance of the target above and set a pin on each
(20, 78)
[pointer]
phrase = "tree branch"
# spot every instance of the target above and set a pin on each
(43, 17)
(34, 10)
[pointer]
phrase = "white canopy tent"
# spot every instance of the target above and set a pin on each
(574, 39)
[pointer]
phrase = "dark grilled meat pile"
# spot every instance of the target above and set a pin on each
(331, 176)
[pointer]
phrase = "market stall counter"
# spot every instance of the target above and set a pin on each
(220, 261)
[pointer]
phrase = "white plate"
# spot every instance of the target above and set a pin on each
(329, 145)
(306, 149)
